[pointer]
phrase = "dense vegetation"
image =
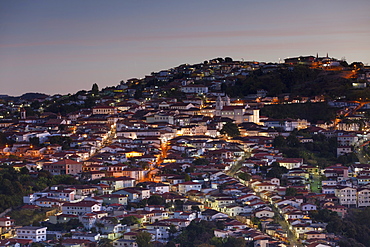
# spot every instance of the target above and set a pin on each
(299, 80)
(321, 152)
(355, 227)
(14, 185)
(202, 234)
(312, 112)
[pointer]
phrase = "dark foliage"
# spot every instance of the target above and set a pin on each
(313, 112)
(355, 227)
(14, 185)
(230, 129)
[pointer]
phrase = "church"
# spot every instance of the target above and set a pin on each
(240, 114)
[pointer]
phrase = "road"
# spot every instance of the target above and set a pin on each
(315, 183)
(294, 242)
(237, 165)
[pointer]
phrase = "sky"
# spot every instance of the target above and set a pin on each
(52, 46)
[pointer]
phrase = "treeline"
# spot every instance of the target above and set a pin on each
(313, 112)
(301, 80)
(14, 185)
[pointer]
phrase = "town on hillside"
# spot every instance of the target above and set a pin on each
(220, 153)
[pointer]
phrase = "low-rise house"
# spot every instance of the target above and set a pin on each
(122, 242)
(314, 235)
(64, 167)
(81, 208)
(135, 194)
(211, 214)
(135, 173)
(301, 229)
(94, 237)
(308, 207)
(223, 202)
(105, 110)
(158, 188)
(264, 186)
(291, 163)
(36, 233)
(336, 172)
(16, 242)
(159, 231)
(183, 188)
(233, 210)
(293, 215)
(288, 202)
(6, 224)
(221, 233)
(45, 202)
(339, 209)
(119, 183)
(363, 180)
(264, 213)
(115, 199)
(247, 197)
(62, 218)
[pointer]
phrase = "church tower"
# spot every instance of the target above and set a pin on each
(23, 113)
(219, 106)
(226, 101)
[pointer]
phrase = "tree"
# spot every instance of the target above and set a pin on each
(130, 220)
(187, 177)
(156, 200)
(245, 176)
(235, 242)
(144, 239)
(144, 165)
(230, 129)
(228, 59)
(95, 88)
(276, 171)
(290, 191)
(3, 140)
(292, 141)
(201, 162)
(35, 141)
(24, 170)
(196, 234)
(105, 242)
(279, 141)
(172, 230)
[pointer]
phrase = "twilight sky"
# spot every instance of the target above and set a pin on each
(52, 46)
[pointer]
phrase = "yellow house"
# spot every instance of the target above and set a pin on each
(132, 154)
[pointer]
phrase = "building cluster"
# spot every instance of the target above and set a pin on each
(139, 146)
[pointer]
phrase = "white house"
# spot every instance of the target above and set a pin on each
(308, 207)
(233, 210)
(36, 233)
(264, 186)
(159, 188)
(182, 188)
(134, 194)
(264, 213)
(81, 208)
(199, 89)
